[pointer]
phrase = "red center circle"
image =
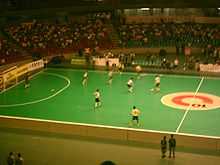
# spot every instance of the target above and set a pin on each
(179, 99)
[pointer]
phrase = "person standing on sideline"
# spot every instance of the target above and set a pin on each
(135, 115)
(163, 145)
(130, 84)
(85, 78)
(19, 160)
(172, 146)
(97, 98)
(11, 159)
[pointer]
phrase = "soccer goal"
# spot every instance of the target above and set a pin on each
(8, 78)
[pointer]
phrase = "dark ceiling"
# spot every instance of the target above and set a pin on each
(39, 4)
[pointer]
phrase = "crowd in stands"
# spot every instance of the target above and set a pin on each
(45, 36)
(211, 54)
(169, 34)
(7, 50)
(95, 31)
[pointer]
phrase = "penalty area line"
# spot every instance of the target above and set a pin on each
(20, 82)
(46, 98)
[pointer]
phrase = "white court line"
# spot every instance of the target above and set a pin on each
(46, 98)
(188, 108)
(20, 82)
(134, 73)
(143, 130)
(111, 127)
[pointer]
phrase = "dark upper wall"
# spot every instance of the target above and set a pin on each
(36, 4)
(172, 3)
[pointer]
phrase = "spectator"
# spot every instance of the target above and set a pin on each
(19, 160)
(11, 159)
(172, 146)
(163, 145)
(2, 61)
(176, 63)
(164, 63)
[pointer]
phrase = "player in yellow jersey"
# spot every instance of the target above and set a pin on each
(135, 115)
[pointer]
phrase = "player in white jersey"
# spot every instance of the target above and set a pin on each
(157, 84)
(85, 78)
(110, 77)
(135, 115)
(97, 98)
(130, 84)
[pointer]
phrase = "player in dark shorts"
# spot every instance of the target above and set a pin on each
(157, 84)
(97, 98)
(135, 115)
(130, 84)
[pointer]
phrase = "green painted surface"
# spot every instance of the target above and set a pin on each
(76, 103)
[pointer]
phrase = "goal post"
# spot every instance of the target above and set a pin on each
(15, 74)
(9, 77)
(1, 83)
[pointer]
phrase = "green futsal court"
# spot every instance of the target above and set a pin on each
(185, 104)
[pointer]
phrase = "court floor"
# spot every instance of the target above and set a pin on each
(185, 104)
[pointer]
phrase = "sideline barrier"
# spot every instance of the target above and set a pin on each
(103, 61)
(111, 133)
(177, 19)
(215, 68)
(1, 83)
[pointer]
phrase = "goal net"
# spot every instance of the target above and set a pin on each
(13, 75)
(8, 77)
